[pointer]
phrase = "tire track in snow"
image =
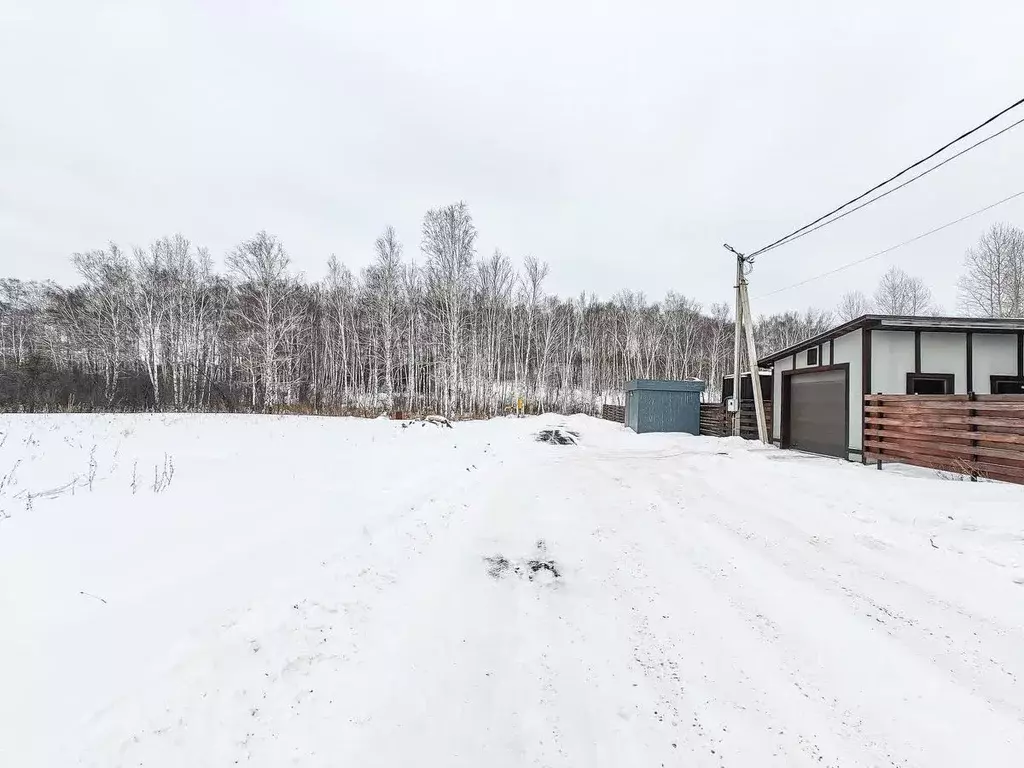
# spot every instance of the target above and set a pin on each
(501, 668)
(922, 620)
(978, 652)
(713, 671)
(739, 565)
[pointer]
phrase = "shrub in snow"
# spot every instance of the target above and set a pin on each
(162, 476)
(91, 477)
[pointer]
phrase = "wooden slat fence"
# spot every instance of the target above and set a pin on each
(614, 413)
(715, 421)
(748, 419)
(976, 435)
(711, 422)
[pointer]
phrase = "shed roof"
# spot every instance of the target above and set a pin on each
(904, 323)
(747, 374)
(665, 385)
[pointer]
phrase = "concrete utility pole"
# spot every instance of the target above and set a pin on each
(745, 326)
(755, 372)
(736, 388)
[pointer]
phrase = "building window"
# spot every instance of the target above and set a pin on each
(1008, 385)
(812, 356)
(930, 384)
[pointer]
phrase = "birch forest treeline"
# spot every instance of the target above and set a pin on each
(442, 329)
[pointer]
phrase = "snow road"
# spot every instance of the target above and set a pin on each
(297, 591)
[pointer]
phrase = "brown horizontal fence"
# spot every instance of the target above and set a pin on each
(711, 419)
(976, 435)
(614, 413)
(716, 421)
(748, 419)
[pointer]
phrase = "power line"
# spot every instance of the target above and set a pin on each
(891, 178)
(911, 180)
(894, 247)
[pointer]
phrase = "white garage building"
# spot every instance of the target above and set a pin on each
(819, 384)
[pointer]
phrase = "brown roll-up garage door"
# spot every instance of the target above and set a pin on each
(816, 412)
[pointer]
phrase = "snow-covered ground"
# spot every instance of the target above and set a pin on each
(315, 592)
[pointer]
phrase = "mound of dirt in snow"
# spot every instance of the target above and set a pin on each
(437, 421)
(558, 436)
(531, 568)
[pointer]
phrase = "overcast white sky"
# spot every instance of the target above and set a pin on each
(621, 142)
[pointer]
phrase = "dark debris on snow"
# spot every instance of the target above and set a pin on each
(499, 566)
(558, 436)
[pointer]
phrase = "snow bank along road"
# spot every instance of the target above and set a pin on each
(211, 591)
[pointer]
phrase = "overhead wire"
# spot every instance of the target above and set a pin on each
(892, 248)
(875, 188)
(890, 191)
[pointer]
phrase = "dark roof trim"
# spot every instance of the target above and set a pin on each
(902, 322)
(834, 333)
(665, 385)
(746, 373)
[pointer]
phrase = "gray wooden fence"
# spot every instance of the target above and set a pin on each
(614, 413)
(715, 421)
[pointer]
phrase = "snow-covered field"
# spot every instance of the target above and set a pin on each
(214, 590)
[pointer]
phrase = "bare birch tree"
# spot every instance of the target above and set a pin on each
(900, 294)
(449, 245)
(384, 292)
(264, 310)
(532, 292)
(992, 284)
(852, 305)
(106, 318)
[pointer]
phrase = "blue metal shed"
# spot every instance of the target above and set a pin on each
(663, 406)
